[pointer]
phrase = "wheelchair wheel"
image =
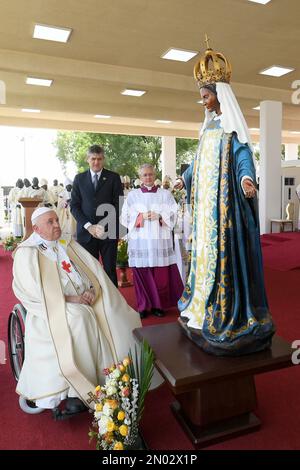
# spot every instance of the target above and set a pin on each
(16, 329)
(16, 348)
(29, 407)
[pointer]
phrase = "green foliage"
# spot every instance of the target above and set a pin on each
(142, 370)
(185, 151)
(122, 253)
(10, 242)
(124, 153)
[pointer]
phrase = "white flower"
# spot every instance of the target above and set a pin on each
(107, 410)
(111, 391)
(116, 374)
(103, 424)
(110, 383)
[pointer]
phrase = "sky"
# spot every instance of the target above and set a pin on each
(25, 153)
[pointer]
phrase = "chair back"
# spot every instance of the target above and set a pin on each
(289, 211)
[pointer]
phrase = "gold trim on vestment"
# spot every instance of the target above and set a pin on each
(59, 329)
(101, 318)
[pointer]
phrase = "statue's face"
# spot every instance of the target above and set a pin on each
(20, 184)
(35, 182)
(210, 101)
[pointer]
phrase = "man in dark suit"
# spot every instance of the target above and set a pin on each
(95, 206)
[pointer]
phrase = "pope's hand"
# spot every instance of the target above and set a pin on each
(76, 299)
(89, 296)
(249, 188)
(96, 230)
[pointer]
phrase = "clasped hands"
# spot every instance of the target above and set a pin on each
(96, 231)
(150, 215)
(87, 298)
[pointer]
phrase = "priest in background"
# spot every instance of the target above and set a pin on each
(149, 213)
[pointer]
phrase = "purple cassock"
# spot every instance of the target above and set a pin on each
(159, 287)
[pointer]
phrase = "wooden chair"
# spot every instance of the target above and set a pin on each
(288, 221)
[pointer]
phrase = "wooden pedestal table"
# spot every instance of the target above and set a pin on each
(29, 204)
(215, 396)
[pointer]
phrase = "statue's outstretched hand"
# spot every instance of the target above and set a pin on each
(249, 188)
(179, 184)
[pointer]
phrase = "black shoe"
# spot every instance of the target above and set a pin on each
(143, 314)
(72, 408)
(74, 405)
(158, 312)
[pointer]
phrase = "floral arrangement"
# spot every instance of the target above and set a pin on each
(122, 253)
(10, 242)
(179, 195)
(120, 401)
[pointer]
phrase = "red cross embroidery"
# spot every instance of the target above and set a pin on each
(66, 266)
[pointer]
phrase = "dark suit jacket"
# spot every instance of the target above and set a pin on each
(85, 201)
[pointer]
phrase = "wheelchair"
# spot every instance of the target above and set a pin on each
(16, 349)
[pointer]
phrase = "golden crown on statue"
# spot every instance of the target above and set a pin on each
(212, 67)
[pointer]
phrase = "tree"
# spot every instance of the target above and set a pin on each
(185, 151)
(124, 153)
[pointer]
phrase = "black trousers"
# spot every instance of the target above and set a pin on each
(108, 251)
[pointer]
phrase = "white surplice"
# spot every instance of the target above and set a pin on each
(151, 245)
(66, 220)
(16, 212)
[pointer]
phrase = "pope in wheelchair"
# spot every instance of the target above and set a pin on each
(77, 323)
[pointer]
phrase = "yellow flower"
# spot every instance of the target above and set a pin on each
(126, 361)
(112, 403)
(123, 430)
(108, 437)
(98, 388)
(118, 446)
(121, 415)
(98, 407)
(121, 368)
(110, 426)
(125, 378)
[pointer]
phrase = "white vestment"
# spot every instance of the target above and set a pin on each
(34, 192)
(150, 245)
(66, 220)
(55, 190)
(16, 212)
(67, 345)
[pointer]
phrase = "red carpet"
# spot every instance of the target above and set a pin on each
(281, 251)
(278, 392)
